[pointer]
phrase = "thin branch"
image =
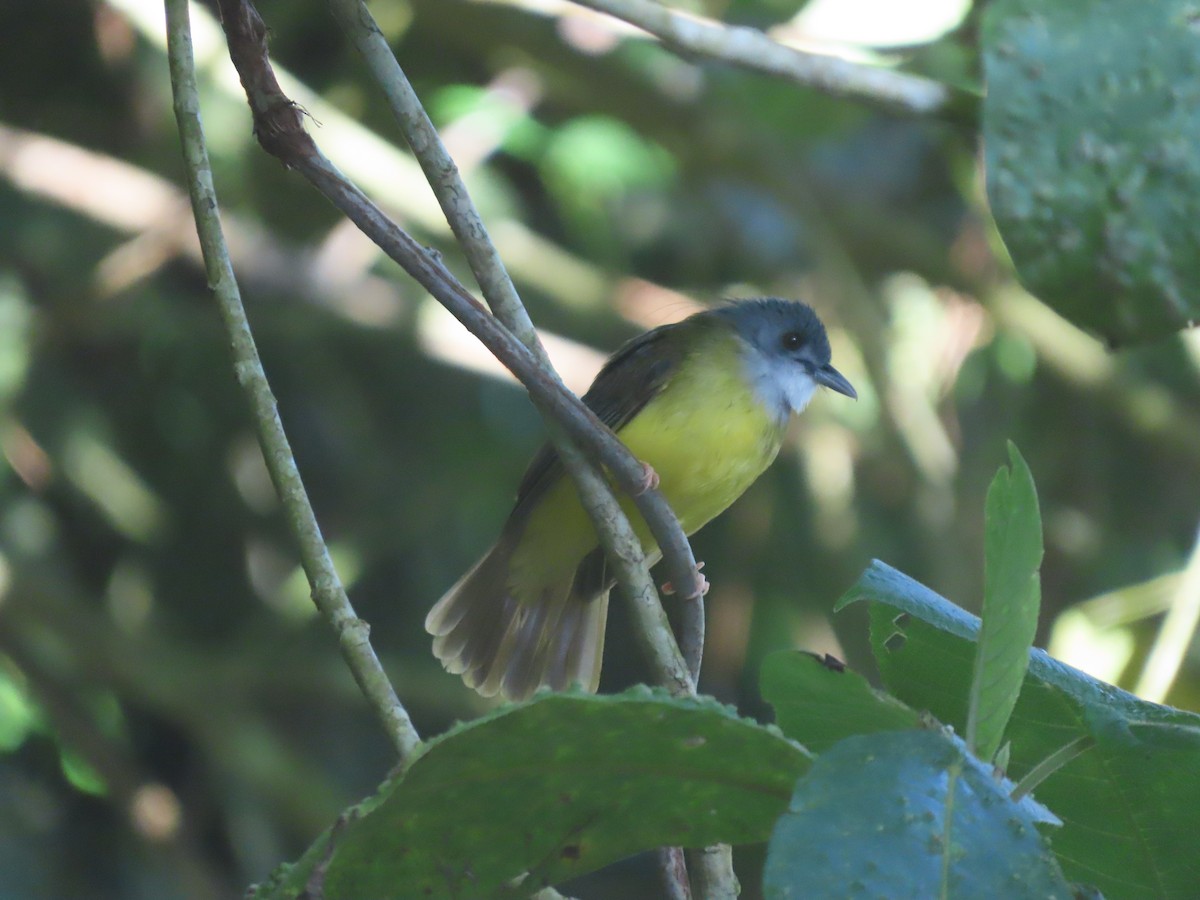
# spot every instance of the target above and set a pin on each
(496, 285)
(622, 545)
(691, 635)
(489, 270)
(327, 591)
(279, 128)
(712, 870)
(467, 225)
(501, 294)
(441, 172)
(896, 92)
(498, 289)
(673, 866)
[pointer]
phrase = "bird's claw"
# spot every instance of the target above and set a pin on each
(701, 585)
(649, 479)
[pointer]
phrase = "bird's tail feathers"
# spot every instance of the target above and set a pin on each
(504, 644)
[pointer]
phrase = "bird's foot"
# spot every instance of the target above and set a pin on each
(699, 589)
(649, 479)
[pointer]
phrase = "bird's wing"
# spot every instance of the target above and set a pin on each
(630, 379)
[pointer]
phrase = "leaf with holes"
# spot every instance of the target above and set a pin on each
(906, 814)
(819, 704)
(1130, 804)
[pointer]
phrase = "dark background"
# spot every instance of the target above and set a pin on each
(174, 718)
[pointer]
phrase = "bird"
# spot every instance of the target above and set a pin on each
(704, 403)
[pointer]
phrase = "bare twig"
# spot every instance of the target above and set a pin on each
(279, 128)
(622, 545)
(673, 866)
(498, 289)
(327, 591)
(691, 635)
(712, 869)
(896, 92)
(441, 172)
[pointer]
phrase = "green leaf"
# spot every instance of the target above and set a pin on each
(819, 705)
(906, 814)
(1090, 132)
(599, 156)
(560, 786)
(19, 715)
(1012, 594)
(1130, 805)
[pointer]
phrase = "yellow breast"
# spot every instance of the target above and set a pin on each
(706, 436)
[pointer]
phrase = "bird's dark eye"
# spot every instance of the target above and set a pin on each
(792, 341)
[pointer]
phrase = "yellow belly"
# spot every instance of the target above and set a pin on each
(705, 435)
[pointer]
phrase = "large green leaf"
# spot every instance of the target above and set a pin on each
(1130, 805)
(560, 786)
(819, 703)
(1012, 595)
(907, 814)
(1090, 130)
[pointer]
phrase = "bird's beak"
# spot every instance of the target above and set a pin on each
(835, 380)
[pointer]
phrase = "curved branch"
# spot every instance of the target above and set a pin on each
(619, 542)
(580, 423)
(498, 289)
(279, 128)
(327, 591)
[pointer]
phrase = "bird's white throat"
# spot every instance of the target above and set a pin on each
(783, 387)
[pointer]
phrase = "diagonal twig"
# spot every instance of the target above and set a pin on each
(498, 289)
(279, 128)
(896, 92)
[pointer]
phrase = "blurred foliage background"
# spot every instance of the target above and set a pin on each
(174, 719)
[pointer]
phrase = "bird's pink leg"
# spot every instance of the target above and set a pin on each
(701, 585)
(649, 479)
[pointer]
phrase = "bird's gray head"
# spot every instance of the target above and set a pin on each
(787, 356)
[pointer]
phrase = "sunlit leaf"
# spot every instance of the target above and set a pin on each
(906, 814)
(1130, 805)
